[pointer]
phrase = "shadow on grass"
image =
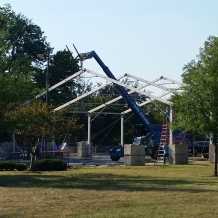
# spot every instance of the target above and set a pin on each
(104, 181)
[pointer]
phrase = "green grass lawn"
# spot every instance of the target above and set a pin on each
(169, 191)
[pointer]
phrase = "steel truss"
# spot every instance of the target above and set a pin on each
(109, 81)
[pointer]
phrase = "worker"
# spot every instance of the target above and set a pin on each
(166, 152)
(167, 112)
(143, 140)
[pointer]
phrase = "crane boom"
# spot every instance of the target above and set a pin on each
(129, 100)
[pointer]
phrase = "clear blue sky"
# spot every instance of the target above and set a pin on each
(141, 37)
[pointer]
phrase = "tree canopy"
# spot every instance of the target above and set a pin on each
(23, 38)
(20, 73)
(196, 106)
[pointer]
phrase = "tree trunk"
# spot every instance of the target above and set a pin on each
(32, 162)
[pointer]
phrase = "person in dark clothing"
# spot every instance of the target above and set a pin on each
(166, 152)
(167, 112)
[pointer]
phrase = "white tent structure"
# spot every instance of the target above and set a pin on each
(165, 88)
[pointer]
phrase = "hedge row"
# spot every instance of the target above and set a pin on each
(40, 165)
(50, 165)
(6, 165)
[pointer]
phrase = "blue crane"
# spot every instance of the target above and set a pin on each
(129, 100)
(152, 133)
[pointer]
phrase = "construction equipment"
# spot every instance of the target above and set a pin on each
(116, 153)
(151, 138)
(140, 137)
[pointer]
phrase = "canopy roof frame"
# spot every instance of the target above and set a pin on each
(109, 80)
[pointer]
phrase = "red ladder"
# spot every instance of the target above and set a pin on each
(164, 138)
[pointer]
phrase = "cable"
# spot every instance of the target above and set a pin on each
(98, 113)
(108, 131)
(106, 127)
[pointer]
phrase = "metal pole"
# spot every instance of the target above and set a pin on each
(122, 130)
(47, 78)
(89, 132)
(171, 132)
(47, 97)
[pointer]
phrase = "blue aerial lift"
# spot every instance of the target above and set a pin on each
(152, 138)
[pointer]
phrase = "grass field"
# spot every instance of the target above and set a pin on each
(171, 191)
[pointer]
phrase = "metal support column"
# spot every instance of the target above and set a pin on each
(122, 130)
(171, 119)
(89, 133)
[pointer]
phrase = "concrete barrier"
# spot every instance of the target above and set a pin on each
(212, 153)
(178, 154)
(73, 149)
(134, 155)
(50, 149)
(84, 149)
(6, 148)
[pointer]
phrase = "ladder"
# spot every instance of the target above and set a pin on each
(164, 138)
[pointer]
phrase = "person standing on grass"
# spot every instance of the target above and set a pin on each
(166, 152)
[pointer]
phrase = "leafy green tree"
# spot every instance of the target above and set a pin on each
(13, 95)
(38, 119)
(16, 86)
(26, 39)
(62, 65)
(196, 106)
(22, 76)
(23, 38)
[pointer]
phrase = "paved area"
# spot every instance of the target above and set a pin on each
(95, 160)
(98, 159)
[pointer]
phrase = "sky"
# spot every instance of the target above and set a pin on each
(144, 38)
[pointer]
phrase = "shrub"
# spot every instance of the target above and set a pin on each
(7, 165)
(50, 165)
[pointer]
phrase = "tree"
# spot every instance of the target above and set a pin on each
(22, 76)
(16, 85)
(196, 106)
(38, 119)
(15, 90)
(24, 37)
(62, 65)
(23, 41)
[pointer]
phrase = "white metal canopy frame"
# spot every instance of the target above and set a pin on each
(109, 81)
(118, 83)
